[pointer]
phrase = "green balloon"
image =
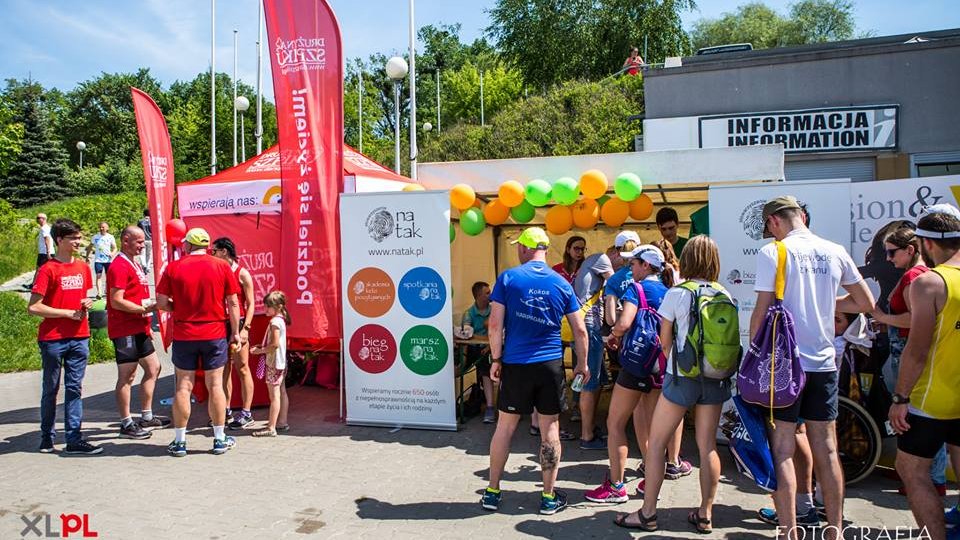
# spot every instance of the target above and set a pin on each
(602, 200)
(628, 186)
(523, 212)
(566, 190)
(472, 222)
(538, 192)
(453, 232)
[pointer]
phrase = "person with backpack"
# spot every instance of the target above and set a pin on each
(813, 270)
(641, 361)
(702, 333)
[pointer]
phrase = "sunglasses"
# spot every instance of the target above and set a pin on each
(892, 252)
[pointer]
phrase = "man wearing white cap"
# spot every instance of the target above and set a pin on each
(201, 291)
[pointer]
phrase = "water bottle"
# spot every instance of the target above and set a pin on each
(577, 384)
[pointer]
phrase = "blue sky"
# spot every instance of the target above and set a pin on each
(60, 43)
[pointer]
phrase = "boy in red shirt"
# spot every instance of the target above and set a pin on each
(128, 324)
(201, 290)
(59, 295)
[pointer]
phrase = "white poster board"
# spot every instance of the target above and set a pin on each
(736, 224)
(398, 345)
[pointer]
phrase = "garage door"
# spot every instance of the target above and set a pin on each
(856, 169)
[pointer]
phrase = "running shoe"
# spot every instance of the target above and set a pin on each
(157, 422)
(177, 449)
(489, 416)
(221, 446)
(679, 470)
(133, 430)
(641, 488)
(596, 443)
(607, 493)
(241, 421)
(952, 517)
(83, 448)
(550, 506)
(46, 445)
(491, 500)
(769, 515)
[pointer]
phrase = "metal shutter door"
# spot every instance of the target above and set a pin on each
(856, 169)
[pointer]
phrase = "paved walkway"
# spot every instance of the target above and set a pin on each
(330, 480)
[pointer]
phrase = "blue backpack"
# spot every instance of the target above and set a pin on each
(641, 353)
(746, 431)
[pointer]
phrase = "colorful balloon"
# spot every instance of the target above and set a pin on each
(614, 212)
(628, 186)
(462, 196)
(593, 184)
(523, 212)
(603, 200)
(413, 187)
(175, 230)
(538, 192)
(472, 222)
(586, 213)
(566, 190)
(495, 212)
(641, 208)
(453, 232)
(558, 220)
(511, 193)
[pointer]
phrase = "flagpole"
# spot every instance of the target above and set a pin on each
(259, 131)
(213, 84)
(234, 97)
(413, 98)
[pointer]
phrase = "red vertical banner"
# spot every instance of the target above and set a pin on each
(304, 41)
(157, 157)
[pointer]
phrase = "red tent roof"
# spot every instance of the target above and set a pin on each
(267, 165)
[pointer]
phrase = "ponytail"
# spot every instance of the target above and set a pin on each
(667, 274)
(286, 315)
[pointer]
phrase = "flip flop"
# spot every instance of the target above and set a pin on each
(643, 524)
(701, 523)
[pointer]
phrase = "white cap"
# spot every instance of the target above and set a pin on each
(624, 236)
(646, 252)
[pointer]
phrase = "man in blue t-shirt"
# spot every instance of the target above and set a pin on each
(528, 304)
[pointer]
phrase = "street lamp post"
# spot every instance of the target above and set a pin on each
(81, 146)
(413, 97)
(396, 70)
(242, 104)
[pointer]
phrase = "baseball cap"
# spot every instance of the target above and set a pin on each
(942, 208)
(197, 237)
(647, 252)
(624, 236)
(775, 205)
(533, 238)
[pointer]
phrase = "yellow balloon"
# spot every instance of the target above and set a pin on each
(511, 193)
(558, 220)
(413, 187)
(641, 208)
(593, 184)
(462, 196)
(496, 213)
(614, 212)
(586, 213)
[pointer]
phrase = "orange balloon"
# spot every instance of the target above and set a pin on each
(558, 220)
(413, 187)
(586, 213)
(462, 196)
(477, 203)
(641, 208)
(495, 212)
(511, 193)
(614, 212)
(593, 184)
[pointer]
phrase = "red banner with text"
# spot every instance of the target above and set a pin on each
(158, 174)
(304, 38)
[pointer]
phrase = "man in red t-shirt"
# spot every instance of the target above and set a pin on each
(201, 291)
(59, 295)
(129, 308)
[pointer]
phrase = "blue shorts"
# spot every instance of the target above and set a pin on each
(101, 268)
(595, 354)
(207, 354)
(687, 391)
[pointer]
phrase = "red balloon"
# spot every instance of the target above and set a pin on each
(175, 230)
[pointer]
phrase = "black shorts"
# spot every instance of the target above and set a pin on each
(208, 354)
(101, 268)
(524, 387)
(132, 348)
(632, 382)
(475, 356)
(817, 402)
(927, 435)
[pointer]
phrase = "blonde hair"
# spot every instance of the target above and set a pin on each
(700, 259)
(278, 301)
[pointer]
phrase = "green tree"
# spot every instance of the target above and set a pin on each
(11, 136)
(559, 40)
(38, 174)
(501, 86)
(819, 21)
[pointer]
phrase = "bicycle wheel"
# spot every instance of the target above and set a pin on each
(858, 440)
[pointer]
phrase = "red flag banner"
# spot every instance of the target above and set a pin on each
(158, 174)
(304, 38)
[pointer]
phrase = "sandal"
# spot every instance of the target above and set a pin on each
(701, 523)
(566, 435)
(285, 427)
(265, 432)
(643, 524)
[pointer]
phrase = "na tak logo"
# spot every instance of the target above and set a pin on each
(402, 224)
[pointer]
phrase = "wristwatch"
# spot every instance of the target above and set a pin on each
(900, 400)
(494, 360)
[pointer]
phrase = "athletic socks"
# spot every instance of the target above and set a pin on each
(180, 434)
(229, 413)
(246, 413)
(549, 496)
(617, 485)
(218, 432)
(146, 415)
(804, 503)
(126, 422)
